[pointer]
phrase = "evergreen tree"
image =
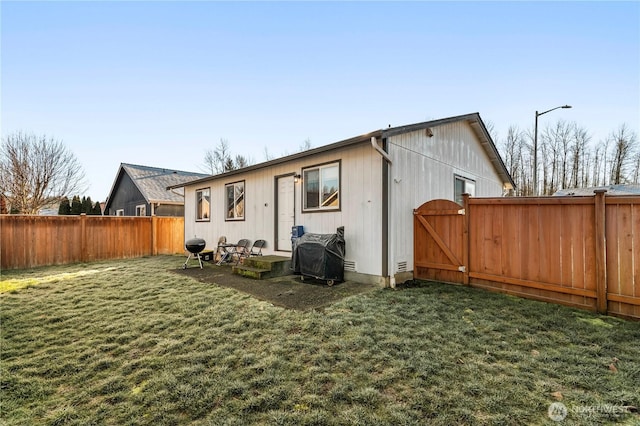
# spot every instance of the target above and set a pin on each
(96, 210)
(76, 205)
(65, 207)
(87, 205)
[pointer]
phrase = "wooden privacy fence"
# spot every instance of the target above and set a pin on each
(29, 241)
(577, 251)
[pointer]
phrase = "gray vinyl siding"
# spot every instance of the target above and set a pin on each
(424, 168)
(360, 206)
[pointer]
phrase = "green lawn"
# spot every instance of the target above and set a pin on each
(128, 342)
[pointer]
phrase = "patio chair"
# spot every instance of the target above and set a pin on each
(256, 249)
(222, 251)
(240, 250)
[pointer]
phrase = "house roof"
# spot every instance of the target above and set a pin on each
(611, 190)
(473, 119)
(152, 182)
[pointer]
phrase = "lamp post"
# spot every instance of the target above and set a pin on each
(535, 147)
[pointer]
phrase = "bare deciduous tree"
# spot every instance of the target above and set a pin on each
(215, 160)
(219, 160)
(305, 146)
(624, 143)
(36, 171)
(514, 151)
(267, 155)
(569, 160)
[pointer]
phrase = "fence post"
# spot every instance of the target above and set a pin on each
(601, 251)
(154, 235)
(83, 237)
(465, 239)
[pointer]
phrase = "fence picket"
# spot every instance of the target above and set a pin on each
(577, 251)
(30, 241)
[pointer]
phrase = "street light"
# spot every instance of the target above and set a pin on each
(535, 147)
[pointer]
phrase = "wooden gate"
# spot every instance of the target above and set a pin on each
(439, 249)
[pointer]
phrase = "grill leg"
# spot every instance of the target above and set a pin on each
(197, 255)
(187, 261)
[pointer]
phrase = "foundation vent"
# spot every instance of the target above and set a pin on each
(350, 265)
(401, 266)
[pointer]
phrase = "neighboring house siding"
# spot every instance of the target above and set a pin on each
(424, 169)
(169, 210)
(360, 206)
(127, 197)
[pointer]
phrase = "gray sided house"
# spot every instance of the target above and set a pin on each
(142, 191)
(369, 184)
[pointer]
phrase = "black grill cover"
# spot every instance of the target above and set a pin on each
(320, 255)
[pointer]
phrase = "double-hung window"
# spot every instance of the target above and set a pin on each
(235, 201)
(203, 204)
(141, 210)
(463, 186)
(321, 187)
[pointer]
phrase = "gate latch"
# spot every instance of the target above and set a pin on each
(462, 268)
(462, 212)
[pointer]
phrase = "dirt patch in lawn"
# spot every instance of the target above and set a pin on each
(288, 291)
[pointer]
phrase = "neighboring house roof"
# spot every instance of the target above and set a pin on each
(611, 190)
(152, 182)
(474, 120)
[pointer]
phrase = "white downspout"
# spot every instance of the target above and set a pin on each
(391, 271)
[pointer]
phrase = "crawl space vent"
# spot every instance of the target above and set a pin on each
(401, 267)
(350, 265)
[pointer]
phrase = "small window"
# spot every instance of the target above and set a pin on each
(203, 207)
(321, 187)
(235, 201)
(141, 210)
(463, 186)
(120, 212)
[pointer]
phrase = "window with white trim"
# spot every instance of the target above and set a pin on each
(235, 201)
(120, 212)
(141, 210)
(463, 186)
(321, 187)
(203, 204)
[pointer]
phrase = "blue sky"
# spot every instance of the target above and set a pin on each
(159, 83)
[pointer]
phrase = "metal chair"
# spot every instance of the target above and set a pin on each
(257, 245)
(222, 251)
(240, 250)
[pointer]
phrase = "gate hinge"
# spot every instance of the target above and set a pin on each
(462, 268)
(462, 212)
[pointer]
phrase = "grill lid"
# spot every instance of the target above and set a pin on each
(195, 245)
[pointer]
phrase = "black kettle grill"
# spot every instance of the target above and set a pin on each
(194, 246)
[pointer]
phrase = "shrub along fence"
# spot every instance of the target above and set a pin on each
(577, 251)
(29, 241)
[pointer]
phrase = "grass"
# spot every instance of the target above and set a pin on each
(128, 342)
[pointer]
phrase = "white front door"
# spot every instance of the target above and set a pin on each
(285, 212)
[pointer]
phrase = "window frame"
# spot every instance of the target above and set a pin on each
(141, 208)
(119, 212)
(320, 208)
(226, 201)
(205, 217)
(465, 180)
